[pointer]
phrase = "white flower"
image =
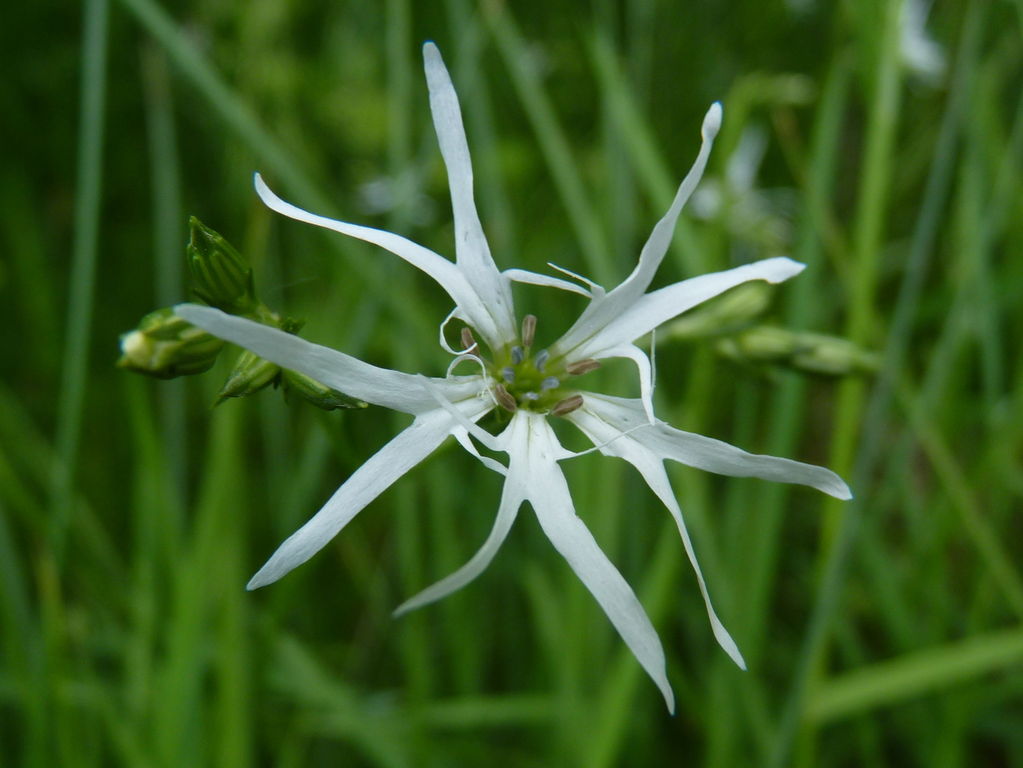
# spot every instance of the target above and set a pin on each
(533, 385)
(920, 52)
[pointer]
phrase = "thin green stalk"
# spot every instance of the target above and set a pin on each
(168, 250)
(588, 229)
(22, 648)
(652, 170)
(84, 249)
(913, 674)
(957, 487)
(835, 565)
(179, 731)
(761, 547)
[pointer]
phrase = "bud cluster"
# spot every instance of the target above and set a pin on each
(165, 346)
(730, 320)
(810, 352)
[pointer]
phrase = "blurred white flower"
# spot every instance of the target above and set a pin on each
(760, 219)
(920, 52)
(532, 386)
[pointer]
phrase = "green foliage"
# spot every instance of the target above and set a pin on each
(884, 632)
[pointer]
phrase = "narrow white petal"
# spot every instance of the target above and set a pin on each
(602, 312)
(471, 248)
(392, 461)
(446, 273)
(652, 309)
(651, 467)
(444, 401)
(646, 374)
(462, 436)
(380, 386)
(549, 496)
(535, 278)
(511, 500)
(512, 496)
(707, 453)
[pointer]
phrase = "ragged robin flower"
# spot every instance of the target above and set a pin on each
(532, 386)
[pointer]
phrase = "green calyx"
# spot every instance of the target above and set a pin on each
(166, 346)
(220, 275)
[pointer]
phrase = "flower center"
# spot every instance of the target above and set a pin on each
(524, 377)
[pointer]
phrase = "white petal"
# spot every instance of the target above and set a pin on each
(651, 467)
(471, 249)
(707, 453)
(444, 401)
(446, 273)
(512, 496)
(599, 313)
(535, 278)
(462, 436)
(511, 500)
(646, 374)
(392, 461)
(652, 309)
(548, 494)
(380, 386)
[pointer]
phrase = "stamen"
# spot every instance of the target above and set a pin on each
(508, 374)
(504, 398)
(551, 382)
(468, 341)
(579, 367)
(567, 405)
(531, 396)
(528, 330)
(517, 355)
(541, 359)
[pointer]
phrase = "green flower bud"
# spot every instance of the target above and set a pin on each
(165, 346)
(810, 352)
(220, 275)
(250, 374)
(316, 393)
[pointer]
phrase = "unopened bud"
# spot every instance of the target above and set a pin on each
(250, 374)
(221, 276)
(811, 352)
(165, 346)
(316, 393)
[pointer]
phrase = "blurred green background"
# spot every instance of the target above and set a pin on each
(878, 144)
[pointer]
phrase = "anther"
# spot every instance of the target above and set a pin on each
(528, 330)
(468, 341)
(517, 355)
(579, 367)
(530, 396)
(541, 359)
(551, 382)
(508, 374)
(567, 405)
(504, 398)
